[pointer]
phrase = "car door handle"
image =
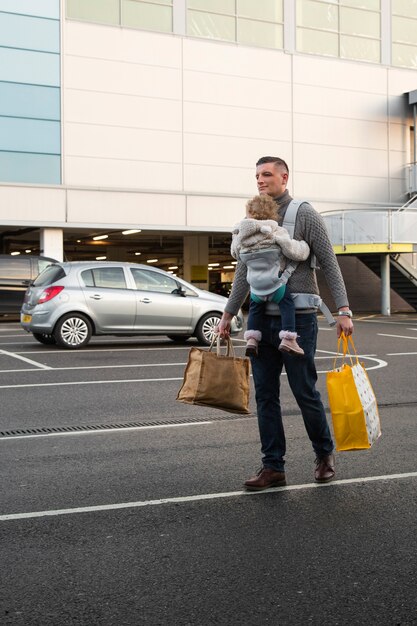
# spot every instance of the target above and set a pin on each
(96, 296)
(145, 301)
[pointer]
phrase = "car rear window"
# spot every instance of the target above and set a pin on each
(50, 275)
(42, 264)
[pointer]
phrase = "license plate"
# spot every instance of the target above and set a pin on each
(26, 319)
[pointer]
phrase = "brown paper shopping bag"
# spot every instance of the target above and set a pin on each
(220, 381)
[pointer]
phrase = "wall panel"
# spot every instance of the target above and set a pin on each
(235, 122)
(230, 151)
(336, 131)
(123, 174)
(265, 95)
(360, 190)
(31, 33)
(123, 78)
(29, 101)
(215, 212)
(122, 44)
(212, 179)
(37, 204)
(233, 60)
(90, 107)
(110, 142)
(132, 208)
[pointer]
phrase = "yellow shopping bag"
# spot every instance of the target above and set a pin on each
(352, 402)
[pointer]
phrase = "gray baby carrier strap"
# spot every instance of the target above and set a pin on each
(289, 224)
(302, 300)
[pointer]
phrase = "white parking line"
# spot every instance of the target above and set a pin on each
(22, 358)
(96, 367)
(200, 497)
(398, 336)
(379, 363)
(92, 382)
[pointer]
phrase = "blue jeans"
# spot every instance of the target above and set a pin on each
(286, 308)
(302, 377)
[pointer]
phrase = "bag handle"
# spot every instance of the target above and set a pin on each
(216, 339)
(346, 352)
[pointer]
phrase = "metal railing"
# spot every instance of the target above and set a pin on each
(412, 177)
(373, 226)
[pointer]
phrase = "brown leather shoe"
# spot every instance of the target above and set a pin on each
(324, 471)
(265, 478)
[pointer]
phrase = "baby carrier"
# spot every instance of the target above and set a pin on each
(301, 300)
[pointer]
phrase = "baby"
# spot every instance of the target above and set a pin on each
(265, 248)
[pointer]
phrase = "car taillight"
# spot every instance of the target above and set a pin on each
(49, 293)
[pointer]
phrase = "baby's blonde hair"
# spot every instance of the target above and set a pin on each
(261, 208)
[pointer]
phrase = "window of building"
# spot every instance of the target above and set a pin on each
(257, 23)
(101, 11)
(150, 14)
(404, 33)
(350, 29)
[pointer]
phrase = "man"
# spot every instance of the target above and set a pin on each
(272, 178)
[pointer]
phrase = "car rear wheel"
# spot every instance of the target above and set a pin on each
(48, 340)
(73, 331)
(179, 338)
(205, 329)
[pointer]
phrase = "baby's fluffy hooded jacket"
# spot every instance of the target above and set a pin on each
(265, 248)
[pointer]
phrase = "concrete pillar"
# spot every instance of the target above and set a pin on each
(196, 256)
(52, 243)
(385, 285)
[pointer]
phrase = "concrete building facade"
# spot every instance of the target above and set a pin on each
(123, 114)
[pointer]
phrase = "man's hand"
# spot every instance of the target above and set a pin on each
(344, 325)
(223, 327)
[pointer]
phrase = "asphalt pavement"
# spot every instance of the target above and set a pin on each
(121, 506)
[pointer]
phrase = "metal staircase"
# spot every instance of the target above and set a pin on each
(403, 277)
(372, 234)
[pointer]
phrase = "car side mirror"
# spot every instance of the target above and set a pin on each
(179, 291)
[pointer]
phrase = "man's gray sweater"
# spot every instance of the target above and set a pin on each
(309, 227)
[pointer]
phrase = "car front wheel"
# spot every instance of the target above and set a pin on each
(205, 329)
(48, 340)
(73, 331)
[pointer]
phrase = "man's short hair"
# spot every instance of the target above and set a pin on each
(276, 160)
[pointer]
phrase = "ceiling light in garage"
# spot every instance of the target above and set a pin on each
(98, 237)
(213, 264)
(228, 267)
(138, 253)
(14, 253)
(101, 258)
(152, 260)
(28, 251)
(131, 232)
(173, 267)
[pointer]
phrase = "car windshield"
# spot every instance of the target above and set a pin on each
(50, 275)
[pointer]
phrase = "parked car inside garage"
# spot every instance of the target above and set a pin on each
(70, 302)
(16, 272)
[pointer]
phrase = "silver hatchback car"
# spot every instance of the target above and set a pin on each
(69, 302)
